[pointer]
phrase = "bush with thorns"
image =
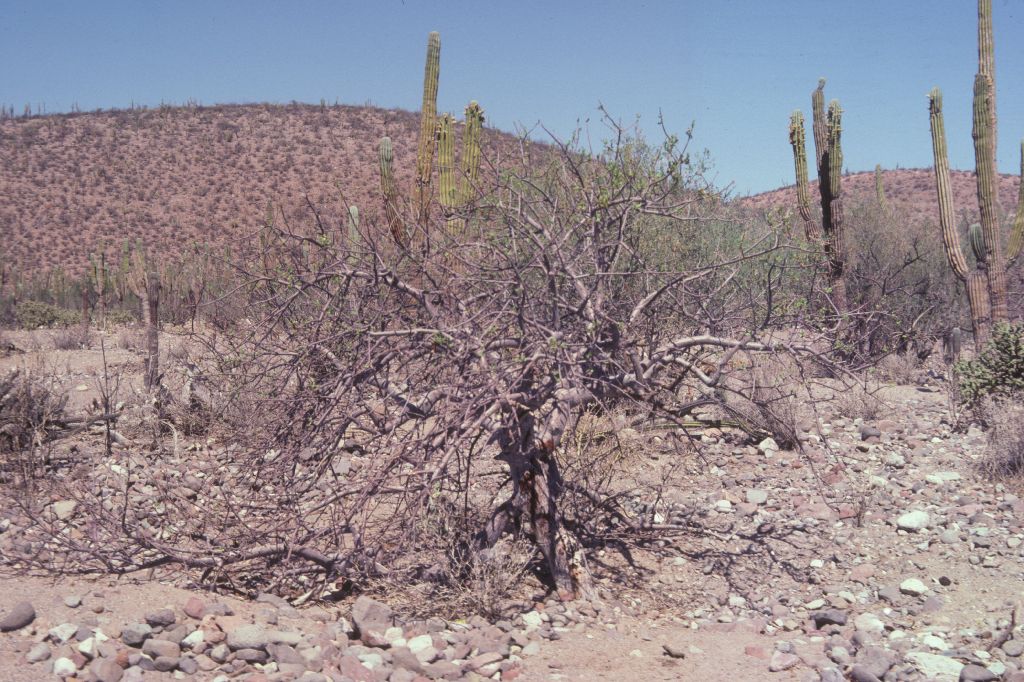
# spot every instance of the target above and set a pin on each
(379, 389)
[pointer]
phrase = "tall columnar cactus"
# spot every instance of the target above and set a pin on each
(880, 188)
(991, 262)
(976, 280)
(1017, 235)
(470, 152)
(428, 126)
(797, 138)
(389, 190)
(457, 187)
(829, 157)
(831, 190)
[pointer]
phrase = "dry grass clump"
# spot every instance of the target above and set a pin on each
(858, 401)
(1004, 454)
(75, 337)
(30, 410)
(899, 368)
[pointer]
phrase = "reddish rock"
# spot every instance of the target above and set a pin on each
(195, 608)
(861, 573)
(757, 652)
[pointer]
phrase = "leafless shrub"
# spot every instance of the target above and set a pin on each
(30, 412)
(1004, 453)
(371, 386)
(900, 368)
(74, 337)
(133, 339)
(858, 401)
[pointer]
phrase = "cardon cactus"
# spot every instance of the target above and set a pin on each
(977, 239)
(976, 280)
(428, 125)
(986, 285)
(455, 193)
(389, 191)
(880, 189)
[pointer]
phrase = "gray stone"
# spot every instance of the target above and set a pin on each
(251, 655)
(371, 617)
(1013, 648)
(165, 664)
(39, 652)
(136, 633)
(64, 509)
(828, 617)
(161, 618)
(976, 673)
(875, 660)
(188, 665)
(940, 668)
(782, 661)
(869, 622)
(20, 615)
(869, 432)
(160, 647)
(248, 637)
(914, 521)
(861, 674)
(674, 651)
(73, 601)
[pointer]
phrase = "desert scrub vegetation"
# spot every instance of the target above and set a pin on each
(998, 371)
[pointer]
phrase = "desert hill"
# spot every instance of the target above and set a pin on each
(910, 190)
(176, 175)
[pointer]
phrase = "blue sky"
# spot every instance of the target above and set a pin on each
(737, 68)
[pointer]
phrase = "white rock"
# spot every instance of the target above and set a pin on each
(869, 622)
(418, 644)
(532, 619)
(936, 667)
(63, 632)
(934, 642)
(913, 587)
(941, 477)
(768, 446)
(914, 521)
(64, 667)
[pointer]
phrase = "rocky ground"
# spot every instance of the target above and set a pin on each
(876, 553)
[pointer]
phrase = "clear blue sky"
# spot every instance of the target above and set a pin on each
(737, 68)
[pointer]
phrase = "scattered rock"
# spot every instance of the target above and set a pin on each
(934, 666)
(913, 587)
(20, 615)
(914, 521)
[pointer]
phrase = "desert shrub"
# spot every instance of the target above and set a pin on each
(31, 411)
(35, 314)
(1004, 452)
(899, 368)
(73, 337)
(858, 402)
(121, 317)
(998, 371)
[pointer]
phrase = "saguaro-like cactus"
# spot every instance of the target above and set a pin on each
(389, 190)
(976, 280)
(428, 125)
(1017, 236)
(455, 193)
(880, 188)
(829, 157)
(984, 134)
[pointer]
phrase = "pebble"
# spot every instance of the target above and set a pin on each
(913, 587)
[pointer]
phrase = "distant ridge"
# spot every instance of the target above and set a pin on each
(177, 175)
(910, 190)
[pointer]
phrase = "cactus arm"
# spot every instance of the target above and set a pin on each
(835, 241)
(950, 238)
(1017, 235)
(428, 125)
(797, 138)
(820, 124)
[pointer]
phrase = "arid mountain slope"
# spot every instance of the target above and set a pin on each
(912, 190)
(176, 175)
